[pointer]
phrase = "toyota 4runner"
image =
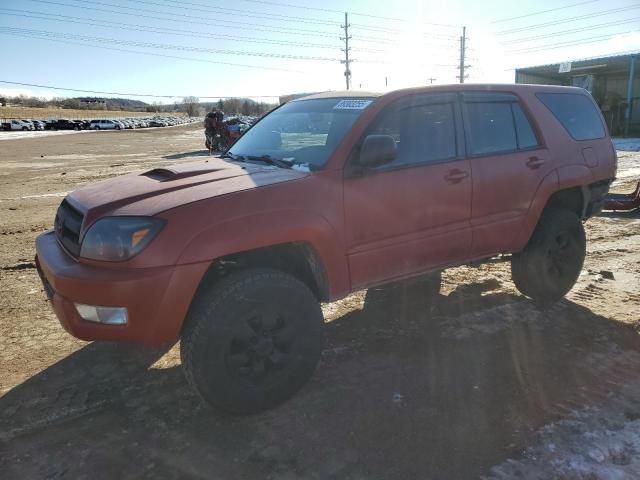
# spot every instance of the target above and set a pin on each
(326, 195)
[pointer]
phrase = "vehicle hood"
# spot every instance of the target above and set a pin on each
(160, 189)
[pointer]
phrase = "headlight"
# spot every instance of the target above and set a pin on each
(115, 239)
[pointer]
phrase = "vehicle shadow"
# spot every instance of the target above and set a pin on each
(407, 388)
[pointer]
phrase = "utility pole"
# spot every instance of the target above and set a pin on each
(346, 61)
(431, 80)
(463, 48)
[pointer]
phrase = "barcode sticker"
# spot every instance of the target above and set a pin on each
(352, 104)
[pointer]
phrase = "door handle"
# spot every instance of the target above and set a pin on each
(455, 176)
(535, 162)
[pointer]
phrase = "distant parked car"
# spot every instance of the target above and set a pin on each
(64, 124)
(105, 125)
(15, 125)
(39, 124)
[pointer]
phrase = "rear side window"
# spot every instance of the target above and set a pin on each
(496, 123)
(577, 113)
(491, 128)
(526, 137)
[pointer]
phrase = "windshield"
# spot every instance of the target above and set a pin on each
(303, 133)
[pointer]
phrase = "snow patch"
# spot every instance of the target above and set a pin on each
(626, 144)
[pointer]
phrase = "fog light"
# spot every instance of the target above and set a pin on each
(108, 315)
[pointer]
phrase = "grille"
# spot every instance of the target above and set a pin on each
(67, 227)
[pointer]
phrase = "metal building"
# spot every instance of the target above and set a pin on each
(613, 82)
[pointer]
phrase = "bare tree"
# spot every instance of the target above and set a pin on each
(192, 106)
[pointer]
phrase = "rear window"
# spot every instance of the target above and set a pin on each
(577, 113)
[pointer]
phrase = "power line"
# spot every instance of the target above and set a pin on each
(582, 41)
(245, 13)
(191, 19)
(50, 87)
(396, 30)
(575, 30)
(153, 54)
(149, 29)
(568, 20)
(540, 12)
(162, 46)
(332, 10)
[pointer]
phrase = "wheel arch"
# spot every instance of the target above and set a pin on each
(298, 259)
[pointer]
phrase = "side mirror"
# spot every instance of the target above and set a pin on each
(377, 150)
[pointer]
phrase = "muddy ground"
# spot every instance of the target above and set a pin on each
(479, 383)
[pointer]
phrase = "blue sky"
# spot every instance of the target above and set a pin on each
(406, 42)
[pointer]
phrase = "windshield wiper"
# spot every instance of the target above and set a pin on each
(230, 156)
(268, 159)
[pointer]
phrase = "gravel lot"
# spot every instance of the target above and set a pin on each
(480, 383)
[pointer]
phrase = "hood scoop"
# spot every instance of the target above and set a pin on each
(169, 174)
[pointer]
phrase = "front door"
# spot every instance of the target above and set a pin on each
(414, 213)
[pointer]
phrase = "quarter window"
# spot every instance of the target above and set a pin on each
(577, 113)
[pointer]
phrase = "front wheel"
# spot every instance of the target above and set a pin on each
(252, 340)
(549, 266)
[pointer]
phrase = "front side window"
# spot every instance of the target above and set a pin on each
(423, 133)
(304, 132)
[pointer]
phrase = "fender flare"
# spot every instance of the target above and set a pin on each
(268, 229)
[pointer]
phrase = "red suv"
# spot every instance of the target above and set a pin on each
(326, 195)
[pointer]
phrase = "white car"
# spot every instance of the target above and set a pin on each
(16, 125)
(105, 125)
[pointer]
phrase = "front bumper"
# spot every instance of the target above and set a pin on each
(157, 298)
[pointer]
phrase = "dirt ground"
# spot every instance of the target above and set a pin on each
(479, 383)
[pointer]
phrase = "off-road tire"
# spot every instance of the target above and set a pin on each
(252, 340)
(549, 266)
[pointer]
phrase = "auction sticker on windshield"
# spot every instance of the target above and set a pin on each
(352, 104)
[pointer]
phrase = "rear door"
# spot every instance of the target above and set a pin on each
(413, 214)
(508, 161)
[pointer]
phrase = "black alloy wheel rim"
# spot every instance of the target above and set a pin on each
(260, 347)
(558, 254)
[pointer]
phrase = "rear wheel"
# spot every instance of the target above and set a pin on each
(549, 266)
(252, 340)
